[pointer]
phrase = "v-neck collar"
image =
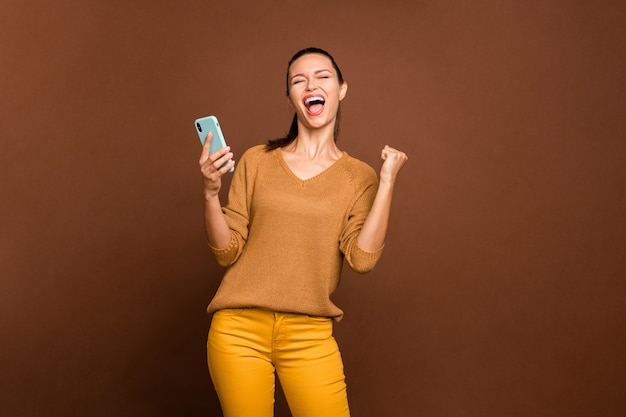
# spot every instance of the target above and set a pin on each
(302, 181)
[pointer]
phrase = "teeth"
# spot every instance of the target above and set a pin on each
(316, 98)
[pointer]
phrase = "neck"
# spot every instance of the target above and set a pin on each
(315, 143)
(313, 148)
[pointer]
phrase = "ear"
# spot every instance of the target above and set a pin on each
(343, 90)
(290, 103)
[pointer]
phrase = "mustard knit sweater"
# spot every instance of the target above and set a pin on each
(289, 236)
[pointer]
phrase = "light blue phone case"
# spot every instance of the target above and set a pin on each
(207, 124)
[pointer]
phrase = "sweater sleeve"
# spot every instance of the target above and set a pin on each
(237, 211)
(358, 259)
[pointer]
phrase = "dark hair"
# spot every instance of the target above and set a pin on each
(292, 134)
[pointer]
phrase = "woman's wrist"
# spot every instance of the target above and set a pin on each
(210, 195)
(386, 185)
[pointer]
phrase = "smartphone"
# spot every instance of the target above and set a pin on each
(207, 124)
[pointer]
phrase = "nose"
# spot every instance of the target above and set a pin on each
(310, 85)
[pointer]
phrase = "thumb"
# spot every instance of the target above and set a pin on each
(206, 147)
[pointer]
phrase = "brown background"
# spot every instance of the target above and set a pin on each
(501, 291)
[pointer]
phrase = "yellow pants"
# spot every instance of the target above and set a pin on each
(246, 347)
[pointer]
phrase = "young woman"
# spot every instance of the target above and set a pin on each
(297, 207)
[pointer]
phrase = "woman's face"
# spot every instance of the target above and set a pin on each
(314, 90)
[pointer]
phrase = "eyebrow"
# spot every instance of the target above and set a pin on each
(316, 72)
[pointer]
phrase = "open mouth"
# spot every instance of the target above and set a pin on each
(314, 104)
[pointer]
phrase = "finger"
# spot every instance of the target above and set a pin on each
(204, 156)
(221, 157)
(389, 150)
(227, 166)
(386, 152)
